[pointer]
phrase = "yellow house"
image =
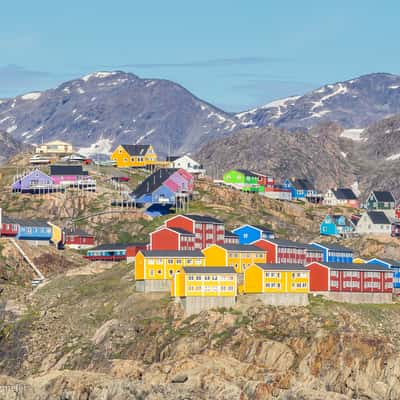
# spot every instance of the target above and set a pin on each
(238, 256)
(56, 234)
(136, 155)
(54, 147)
(204, 288)
(154, 269)
(276, 278)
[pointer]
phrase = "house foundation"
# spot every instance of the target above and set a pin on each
(153, 285)
(359, 298)
(282, 299)
(194, 305)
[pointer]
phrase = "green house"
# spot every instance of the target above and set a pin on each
(380, 200)
(247, 180)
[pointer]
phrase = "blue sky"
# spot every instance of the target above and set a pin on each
(233, 54)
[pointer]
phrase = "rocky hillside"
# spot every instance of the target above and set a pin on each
(355, 103)
(103, 109)
(318, 154)
(121, 344)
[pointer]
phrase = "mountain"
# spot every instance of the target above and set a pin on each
(272, 150)
(355, 103)
(103, 109)
(8, 147)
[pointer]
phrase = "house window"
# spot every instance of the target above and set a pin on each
(170, 261)
(151, 272)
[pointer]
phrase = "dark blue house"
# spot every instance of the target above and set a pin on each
(334, 252)
(391, 264)
(336, 225)
(250, 233)
(300, 188)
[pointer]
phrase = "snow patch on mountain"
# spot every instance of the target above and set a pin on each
(148, 133)
(353, 134)
(102, 146)
(99, 75)
(393, 157)
(31, 96)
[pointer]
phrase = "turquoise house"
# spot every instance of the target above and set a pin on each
(336, 225)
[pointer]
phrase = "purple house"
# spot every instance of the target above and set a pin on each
(32, 182)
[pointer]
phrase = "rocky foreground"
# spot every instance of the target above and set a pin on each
(89, 335)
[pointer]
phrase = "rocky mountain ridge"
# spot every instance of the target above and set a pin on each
(355, 103)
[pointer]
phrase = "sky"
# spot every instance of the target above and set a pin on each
(233, 54)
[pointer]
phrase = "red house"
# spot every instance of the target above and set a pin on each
(339, 280)
(206, 230)
(78, 239)
(281, 251)
(265, 180)
(9, 227)
(397, 211)
(169, 238)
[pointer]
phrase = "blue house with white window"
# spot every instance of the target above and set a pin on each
(34, 230)
(300, 188)
(250, 233)
(336, 225)
(334, 253)
(391, 264)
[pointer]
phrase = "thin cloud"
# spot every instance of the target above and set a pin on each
(212, 63)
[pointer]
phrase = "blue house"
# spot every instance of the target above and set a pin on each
(250, 233)
(34, 230)
(391, 264)
(336, 225)
(334, 252)
(300, 188)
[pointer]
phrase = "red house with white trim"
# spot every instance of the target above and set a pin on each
(281, 251)
(359, 283)
(171, 238)
(9, 227)
(78, 239)
(206, 230)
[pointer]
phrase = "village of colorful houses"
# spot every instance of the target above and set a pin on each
(200, 263)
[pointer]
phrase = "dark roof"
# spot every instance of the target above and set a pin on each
(240, 247)
(172, 158)
(287, 243)
(353, 266)
(383, 195)
(67, 170)
(283, 267)
(230, 234)
(116, 246)
(207, 270)
(172, 253)
(378, 217)
(136, 149)
(344, 194)
(262, 228)
(76, 232)
(246, 172)
(8, 220)
(333, 246)
(31, 222)
(179, 230)
(153, 182)
(302, 184)
(203, 218)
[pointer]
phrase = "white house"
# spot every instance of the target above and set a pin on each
(341, 197)
(188, 164)
(374, 223)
